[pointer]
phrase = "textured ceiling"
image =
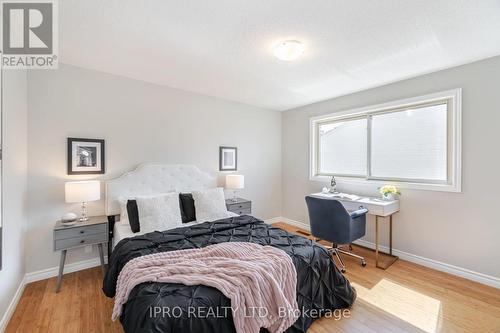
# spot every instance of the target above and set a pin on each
(222, 48)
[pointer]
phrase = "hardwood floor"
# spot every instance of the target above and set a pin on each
(80, 306)
(404, 298)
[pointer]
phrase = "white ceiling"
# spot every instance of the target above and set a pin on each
(222, 48)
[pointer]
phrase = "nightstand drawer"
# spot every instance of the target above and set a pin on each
(242, 211)
(80, 231)
(62, 244)
(239, 206)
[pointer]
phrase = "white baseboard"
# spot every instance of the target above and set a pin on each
(431, 263)
(273, 220)
(69, 268)
(297, 224)
(12, 305)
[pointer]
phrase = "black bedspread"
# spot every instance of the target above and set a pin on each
(320, 285)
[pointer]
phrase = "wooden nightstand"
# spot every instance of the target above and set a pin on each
(93, 231)
(240, 206)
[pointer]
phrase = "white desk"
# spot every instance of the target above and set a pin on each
(376, 207)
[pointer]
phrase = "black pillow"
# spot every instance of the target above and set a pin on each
(133, 216)
(188, 212)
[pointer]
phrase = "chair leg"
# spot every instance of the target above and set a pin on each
(363, 262)
(342, 265)
(336, 250)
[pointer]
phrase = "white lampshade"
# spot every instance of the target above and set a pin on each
(235, 182)
(84, 191)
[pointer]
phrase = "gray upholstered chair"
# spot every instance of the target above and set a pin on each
(330, 221)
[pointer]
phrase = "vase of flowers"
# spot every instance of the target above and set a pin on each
(389, 192)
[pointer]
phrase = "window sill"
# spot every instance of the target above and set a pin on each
(456, 188)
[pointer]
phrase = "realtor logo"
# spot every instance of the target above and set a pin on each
(29, 34)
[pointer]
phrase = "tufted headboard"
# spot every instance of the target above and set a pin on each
(155, 178)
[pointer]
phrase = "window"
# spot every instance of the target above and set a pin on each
(414, 142)
(346, 139)
(410, 144)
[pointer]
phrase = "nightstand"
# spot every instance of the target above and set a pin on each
(93, 231)
(240, 206)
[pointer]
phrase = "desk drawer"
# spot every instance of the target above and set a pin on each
(352, 206)
(372, 209)
(80, 231)
(62, 244)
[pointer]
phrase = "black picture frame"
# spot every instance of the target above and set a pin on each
(222, 166)
(101, 167)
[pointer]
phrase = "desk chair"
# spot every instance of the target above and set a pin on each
(330, 221)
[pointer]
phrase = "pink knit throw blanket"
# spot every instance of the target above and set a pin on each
(259, 280)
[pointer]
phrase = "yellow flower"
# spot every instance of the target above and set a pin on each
(388, 189)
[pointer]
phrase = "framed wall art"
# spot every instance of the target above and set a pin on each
(85, 156)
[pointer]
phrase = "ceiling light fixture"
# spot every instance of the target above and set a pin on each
(288, 50)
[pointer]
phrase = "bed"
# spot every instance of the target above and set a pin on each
(320, 285)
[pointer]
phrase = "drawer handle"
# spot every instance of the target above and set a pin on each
(82, 231)
(240, 206)
(82, 241)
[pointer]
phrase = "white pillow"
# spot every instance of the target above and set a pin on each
(159, 212)
(122, 201)
(210, 205)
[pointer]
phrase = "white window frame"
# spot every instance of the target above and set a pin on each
(454, 150)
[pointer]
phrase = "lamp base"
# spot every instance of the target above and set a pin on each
(84, 217)
(234, 199)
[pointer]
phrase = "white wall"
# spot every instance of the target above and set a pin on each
(140, 122)
(461, 229)
(14, 183)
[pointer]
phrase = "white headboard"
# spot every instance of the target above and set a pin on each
(155, 178)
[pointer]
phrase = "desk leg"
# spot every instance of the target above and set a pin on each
(390, 235)
(376, 240)
(61, 270)
(377, 252)
(101, 256)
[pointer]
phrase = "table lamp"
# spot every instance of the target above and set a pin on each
(83, 192)
(235, 182)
